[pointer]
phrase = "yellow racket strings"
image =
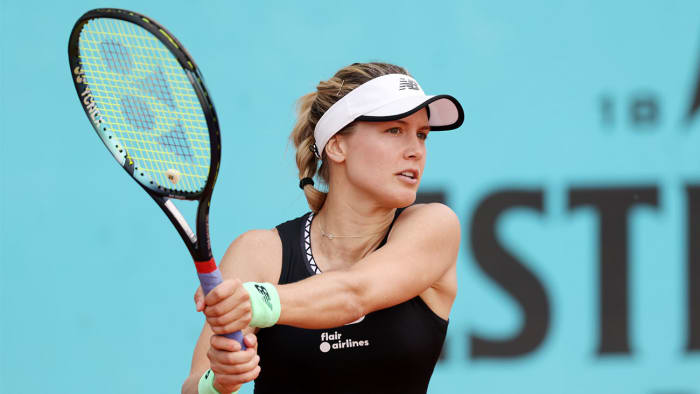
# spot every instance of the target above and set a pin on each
(147, 101)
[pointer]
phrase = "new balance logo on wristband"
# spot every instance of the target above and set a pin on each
(265, 295)
(265, 304)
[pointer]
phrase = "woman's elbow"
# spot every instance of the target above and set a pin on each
(354, 311)
(355, 302)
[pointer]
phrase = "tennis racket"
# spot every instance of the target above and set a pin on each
(145, 97)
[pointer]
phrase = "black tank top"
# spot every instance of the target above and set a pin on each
(392, 350)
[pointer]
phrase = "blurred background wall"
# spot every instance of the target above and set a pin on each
(576, 177)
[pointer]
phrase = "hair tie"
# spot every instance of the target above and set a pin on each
(305, 181)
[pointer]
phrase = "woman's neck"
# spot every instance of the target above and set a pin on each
(352, 231)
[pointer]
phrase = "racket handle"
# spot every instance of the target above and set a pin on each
(209, 278)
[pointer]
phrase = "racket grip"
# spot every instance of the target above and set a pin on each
(209, 278)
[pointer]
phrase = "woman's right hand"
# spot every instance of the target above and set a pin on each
(231, 366)
(226, 307)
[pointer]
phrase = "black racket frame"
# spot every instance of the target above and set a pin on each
(200, 249)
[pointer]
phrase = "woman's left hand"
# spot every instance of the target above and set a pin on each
(233, 367)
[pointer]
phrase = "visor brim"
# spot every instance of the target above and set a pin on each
(444, 111)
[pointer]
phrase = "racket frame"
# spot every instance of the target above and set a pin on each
(199, 243)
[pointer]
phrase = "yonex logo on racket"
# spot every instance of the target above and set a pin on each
(90, 106)
(79, 74)
(88, 100)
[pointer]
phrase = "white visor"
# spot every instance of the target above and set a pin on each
(386, 98)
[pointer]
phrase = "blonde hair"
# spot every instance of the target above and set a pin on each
(312, 106)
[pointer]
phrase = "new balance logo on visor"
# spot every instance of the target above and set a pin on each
(406, 83)
(265, 295)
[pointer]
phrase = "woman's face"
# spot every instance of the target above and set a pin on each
(386, 159)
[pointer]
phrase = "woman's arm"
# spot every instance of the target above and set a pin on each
(254, 256)
(421, 248)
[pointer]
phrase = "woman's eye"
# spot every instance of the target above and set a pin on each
(394, 130)
(422, 136)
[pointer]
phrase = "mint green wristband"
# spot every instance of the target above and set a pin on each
(206, 383)
(265, 303)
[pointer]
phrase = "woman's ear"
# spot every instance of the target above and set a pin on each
(336, 148)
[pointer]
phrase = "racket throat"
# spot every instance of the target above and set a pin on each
(181, 220)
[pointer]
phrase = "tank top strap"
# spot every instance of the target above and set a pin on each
(386, 237)
(291, 235)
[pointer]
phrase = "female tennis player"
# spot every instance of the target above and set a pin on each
(354, 296)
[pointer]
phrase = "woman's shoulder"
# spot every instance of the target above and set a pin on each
(434, 215)
(256, 255)
(256, 239)
(433, 221)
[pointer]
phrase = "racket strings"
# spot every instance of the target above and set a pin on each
(156, 85)
(136, 112)
(116, 56)
(146, 99)
(176, 142)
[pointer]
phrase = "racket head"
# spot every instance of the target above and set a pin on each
(147, 101)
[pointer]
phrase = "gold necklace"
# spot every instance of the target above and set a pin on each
(333, 236)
